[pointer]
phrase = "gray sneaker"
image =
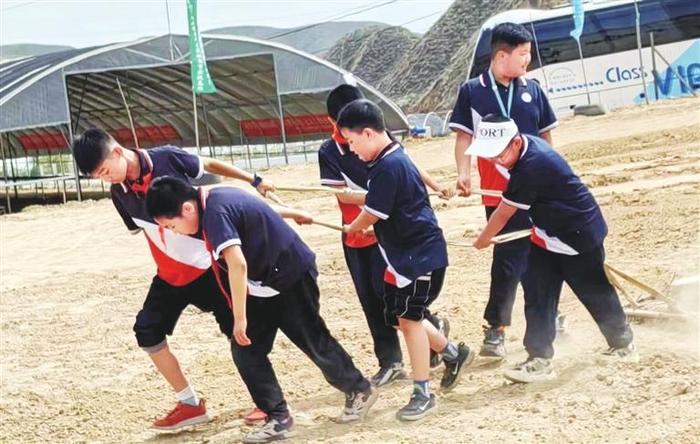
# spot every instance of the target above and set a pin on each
(387, 375)
(494, 343)
(418, 407)
(532, 370)
(357, 405)
(272, 430)
(624, 354)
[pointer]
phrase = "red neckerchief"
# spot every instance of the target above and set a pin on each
(141, 184)
(338, 137)
(216, 267)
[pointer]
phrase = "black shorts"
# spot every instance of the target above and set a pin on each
(164, 303)
(412, 301)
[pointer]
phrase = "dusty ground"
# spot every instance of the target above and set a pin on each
(73, 280)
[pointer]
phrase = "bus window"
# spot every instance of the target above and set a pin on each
(670, 21)
(611, 30)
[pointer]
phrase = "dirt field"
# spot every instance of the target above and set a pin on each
(73, 280)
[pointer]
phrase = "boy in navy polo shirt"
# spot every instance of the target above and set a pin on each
(568, 234)
(413, 247)
(257, 245)
(502, 89)
(341, 168)
(184, 276)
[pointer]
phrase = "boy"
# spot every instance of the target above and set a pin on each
(256, 244)
(413, 247)
(341, 168)
(568, 234)
(502, 89)
(184, 276)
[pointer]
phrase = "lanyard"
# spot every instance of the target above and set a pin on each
(494, 87)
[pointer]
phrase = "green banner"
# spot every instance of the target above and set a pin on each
(201, 81)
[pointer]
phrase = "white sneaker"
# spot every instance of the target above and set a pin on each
(272, 430)
(357, 405)
(624, 354)
(532, 370)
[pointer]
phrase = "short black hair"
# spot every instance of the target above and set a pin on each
(507, 36)
(91, 148)
(360, 114)
(341, 96)
(166, 195)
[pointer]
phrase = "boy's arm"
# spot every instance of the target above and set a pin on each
(238, 282)
(300, 216)
(464, 164)
(350, 196)
(445, 192)
(216, 166)
(361, 223)
(496, 222)
(547, 135)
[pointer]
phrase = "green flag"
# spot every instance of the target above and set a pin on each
(201, 82)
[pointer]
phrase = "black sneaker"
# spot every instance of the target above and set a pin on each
(418, 407)
(443, 326)
(387, 375)
(272, 430)
(357, 405)
(494, 343)
(453, 369)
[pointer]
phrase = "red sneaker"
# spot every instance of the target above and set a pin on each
(255, 417)
(183, 415)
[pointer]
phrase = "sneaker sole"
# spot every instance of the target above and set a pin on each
(485, 355)
(524, 380)
(280, 437)
(467, 362)
(201, 419)
(430, 411)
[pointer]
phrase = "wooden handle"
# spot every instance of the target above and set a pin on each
(273, 197)
(507, 237)
(501, 239)
(492, 193)
(327, 225)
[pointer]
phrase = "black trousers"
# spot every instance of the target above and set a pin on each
(296, 313)
(367, 268)
(507, 268)
(584, 273)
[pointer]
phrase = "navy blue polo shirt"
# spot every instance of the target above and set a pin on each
(180, 259)
(409, 236)
(566, 218)
(276, 255)
(341, 167)
(530, 110)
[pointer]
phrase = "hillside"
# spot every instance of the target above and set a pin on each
(314, 39)
(423, 74)
(371, 53)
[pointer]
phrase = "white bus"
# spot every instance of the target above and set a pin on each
(610, 54)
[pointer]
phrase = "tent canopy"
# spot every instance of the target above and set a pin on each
(47, 98)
